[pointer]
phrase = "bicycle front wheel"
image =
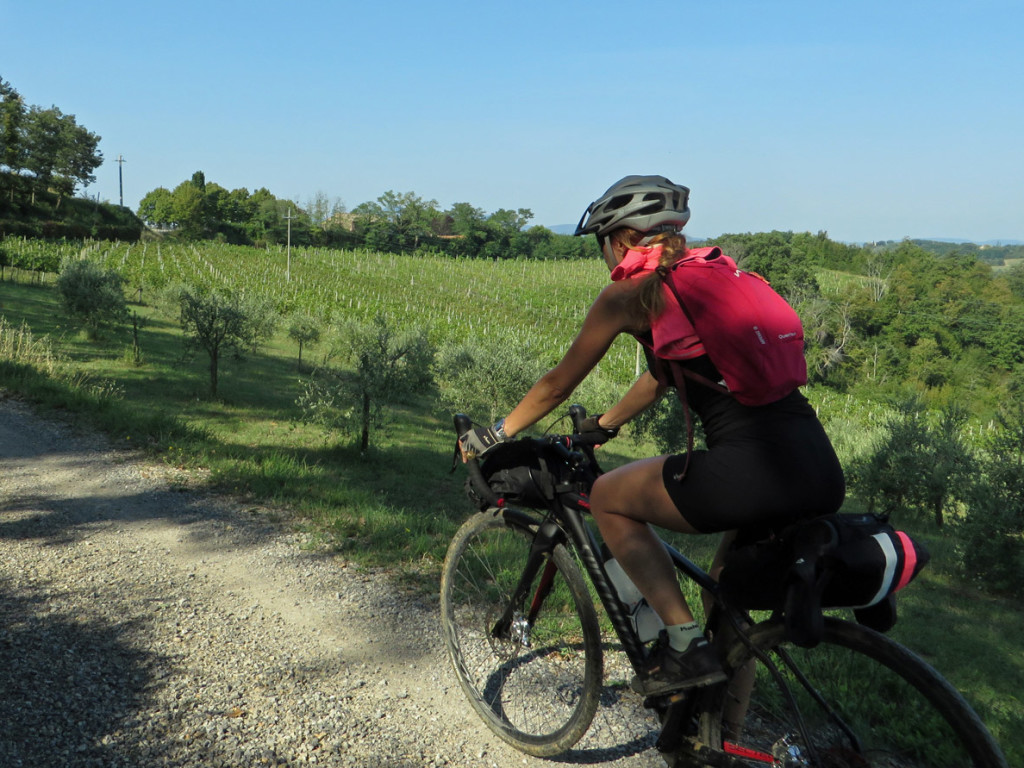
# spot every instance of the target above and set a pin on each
(535, 682)
(865, 701)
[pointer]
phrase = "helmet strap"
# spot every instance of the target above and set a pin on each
(609, 251)
(651, 234)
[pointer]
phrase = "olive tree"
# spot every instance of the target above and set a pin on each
(922, 463)
(221, 323)
(370, 368)
(988, 537)
(486, 376)
(304, 330)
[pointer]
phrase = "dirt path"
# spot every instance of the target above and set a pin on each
(142, 623)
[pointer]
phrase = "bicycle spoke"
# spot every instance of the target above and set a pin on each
(863, 702)
(531, 667)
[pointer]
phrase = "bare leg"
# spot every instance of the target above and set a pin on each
(623, 503)
(742, 684)
(717, 564)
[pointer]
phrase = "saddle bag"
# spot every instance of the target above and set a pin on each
(832, 561)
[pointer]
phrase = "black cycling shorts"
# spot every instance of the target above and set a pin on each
(768, 478)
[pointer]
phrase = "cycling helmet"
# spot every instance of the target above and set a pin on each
(647, 204)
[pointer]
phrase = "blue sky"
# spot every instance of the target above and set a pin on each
(870, 120)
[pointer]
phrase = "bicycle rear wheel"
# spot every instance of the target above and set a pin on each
(535, 684)
(865, 701)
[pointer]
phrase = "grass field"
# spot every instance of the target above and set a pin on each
(399, 504)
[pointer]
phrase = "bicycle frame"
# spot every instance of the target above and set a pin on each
(563, 525)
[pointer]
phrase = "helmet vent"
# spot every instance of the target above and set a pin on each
(643, 203)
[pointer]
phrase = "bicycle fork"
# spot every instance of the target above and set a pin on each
(512, 624)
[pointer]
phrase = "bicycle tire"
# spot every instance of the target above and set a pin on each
(904, 712)
(537, 689)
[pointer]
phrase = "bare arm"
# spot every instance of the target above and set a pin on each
(642, 395)
(606, 319)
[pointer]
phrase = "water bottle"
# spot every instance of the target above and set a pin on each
(646, 623)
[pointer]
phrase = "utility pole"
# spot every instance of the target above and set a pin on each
(288, 269)
(120, 180)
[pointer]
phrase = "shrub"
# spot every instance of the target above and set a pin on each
(486, 377)
(92, 295)
(990, 537)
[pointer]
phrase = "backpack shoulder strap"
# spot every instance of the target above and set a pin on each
(677, 373)
(665, 274)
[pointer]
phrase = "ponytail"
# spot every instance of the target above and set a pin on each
(649, 301)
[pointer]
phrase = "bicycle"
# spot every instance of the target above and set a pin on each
(522, 631)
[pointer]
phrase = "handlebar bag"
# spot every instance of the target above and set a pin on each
(519, 474)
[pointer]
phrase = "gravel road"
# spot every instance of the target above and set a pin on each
(144, 623)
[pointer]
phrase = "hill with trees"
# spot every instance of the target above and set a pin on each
(45, 155)
(948, 328)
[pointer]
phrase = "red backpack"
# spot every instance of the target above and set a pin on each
(750, 333)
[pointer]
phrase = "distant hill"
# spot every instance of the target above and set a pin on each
(568, 229)
(996, 252)
(563, 229)
(964, 241)
(939, 242)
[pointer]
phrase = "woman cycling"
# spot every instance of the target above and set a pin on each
(764, 466)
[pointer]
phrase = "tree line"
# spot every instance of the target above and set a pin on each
(43, 149)
(396, 222)
(996, 255)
